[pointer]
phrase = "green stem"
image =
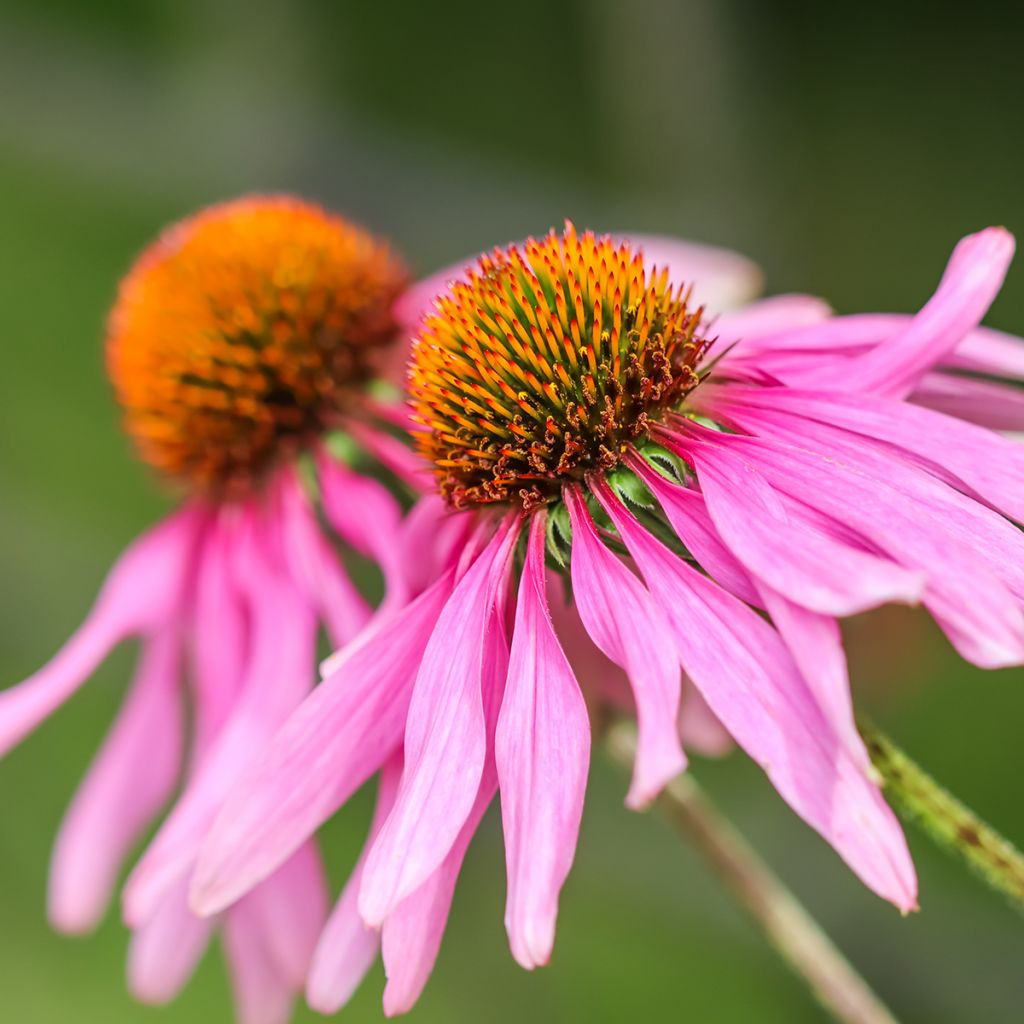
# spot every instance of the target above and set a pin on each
(794, 934)
(952, 825)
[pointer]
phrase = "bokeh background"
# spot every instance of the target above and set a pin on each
(846, 152)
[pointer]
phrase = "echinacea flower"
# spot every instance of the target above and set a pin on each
(718, 493)
(239, 340)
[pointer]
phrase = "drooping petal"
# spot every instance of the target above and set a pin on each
(131, 778)
(542, 750)
(972, 279)
(366, 515)
(973, 458)
(280, 672)
(290, 907)
(340, 735)
(141, 593)
(445, 739)
(985, 403)
(393, 454)
(412, 932)
(625, 623)
(262, 994)
(971, 555)
(316, 568)
(166, 949)
(748, 679)
(347, 948)
(808, 567)
(699, 727)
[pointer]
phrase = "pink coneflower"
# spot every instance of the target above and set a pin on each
(239, 341)
(715, 514)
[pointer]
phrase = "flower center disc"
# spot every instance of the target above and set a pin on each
(543, 363)
(242, 332)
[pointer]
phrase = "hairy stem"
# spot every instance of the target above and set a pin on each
(952, 825)
(794, 934)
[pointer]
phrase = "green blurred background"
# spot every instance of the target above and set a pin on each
(845, 154)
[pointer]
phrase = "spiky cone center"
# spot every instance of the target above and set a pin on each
(545, 362)
(243, 333)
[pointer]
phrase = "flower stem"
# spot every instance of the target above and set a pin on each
(952, 825)
(795, 935)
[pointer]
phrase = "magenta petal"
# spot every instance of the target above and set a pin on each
(166, 949)
(807, 566)
(625, 623)
(445, 739)
(542, 748)
(985, 403)
(971, 281)
(132, 776)
(767, 318)
(347, 948)
(412, 932)
(279, 673)
(339, 736)
(262, 994)
(742, 669)
(141, 593)
(291, 907)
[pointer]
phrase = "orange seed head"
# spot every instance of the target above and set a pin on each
(243, 333)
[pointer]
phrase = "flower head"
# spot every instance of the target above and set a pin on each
(719, 537)
(240, 338)
(244, 333)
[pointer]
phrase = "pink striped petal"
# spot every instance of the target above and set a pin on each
(542, 748)
(262, 994)
(315, 567)
(625, 623)
(411, 934)
(977, 459)
(748, 679)
(445, 740)
(767, 318)
(808, 567)
(279, 674)
(973, 277)
(131, 778)
(347, 948)
(141, 593)
(166, 949)
(339, 736)
(985, 403)
(290, 908)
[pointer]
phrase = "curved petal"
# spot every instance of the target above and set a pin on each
(347, 948)
(624, 622)
(339, 736)
(986, 403)
(262, 994)
(166, 949)
(141, 593)
(542, 749)
(445, 739)
(743, 671)
(131, 778)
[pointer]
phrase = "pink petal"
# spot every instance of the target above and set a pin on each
(142, 592)
(767, 318)
(393, 454)
(542, 748)
(366, 515)
(339, 736)
(316, 569)
(445, 741)
(290, 908)
(972, 280)
(347, 948)
(624, 622)
(973, 557)
(749, 681)
(166, 949)
(132, 776)
(988, 464)
(279, 674)
(700, 728)
(808, 567)
(412, 933)
(262, 994)
(985, 403)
